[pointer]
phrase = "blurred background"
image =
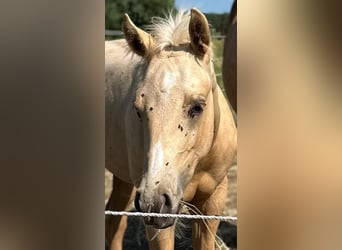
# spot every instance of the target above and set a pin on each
(52, 124)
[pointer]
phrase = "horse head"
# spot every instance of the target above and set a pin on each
(174, 104)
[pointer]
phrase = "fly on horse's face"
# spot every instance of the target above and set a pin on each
(175, 106)
(173, 103)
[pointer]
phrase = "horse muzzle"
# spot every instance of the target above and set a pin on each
(159, 203)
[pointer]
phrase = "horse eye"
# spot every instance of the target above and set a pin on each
(196, 110)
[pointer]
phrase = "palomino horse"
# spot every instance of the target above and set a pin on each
(170, 134)
(229, 59)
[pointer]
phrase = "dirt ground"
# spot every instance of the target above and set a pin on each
(135, 234)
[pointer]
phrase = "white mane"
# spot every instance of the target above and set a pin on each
(171, 31)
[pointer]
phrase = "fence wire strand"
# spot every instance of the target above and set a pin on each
(181, 216)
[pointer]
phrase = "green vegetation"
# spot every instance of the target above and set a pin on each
(218, 51)
(140, 11)
(218, 22)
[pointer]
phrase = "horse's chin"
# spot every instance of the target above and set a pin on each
(159, 223)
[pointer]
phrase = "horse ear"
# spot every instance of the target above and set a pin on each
(138, 40)
(199, 32)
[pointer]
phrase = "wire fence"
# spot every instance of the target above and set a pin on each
(181, 216)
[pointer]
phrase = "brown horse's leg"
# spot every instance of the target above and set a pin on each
(121, 196)
(161, 238)
(204, 235)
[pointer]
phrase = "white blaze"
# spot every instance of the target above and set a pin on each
(169, 81)
(157, 160)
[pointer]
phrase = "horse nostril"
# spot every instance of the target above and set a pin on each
(137, 201)
(168, 202)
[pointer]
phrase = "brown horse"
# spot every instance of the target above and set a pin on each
(170, 134)
(229, 68)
